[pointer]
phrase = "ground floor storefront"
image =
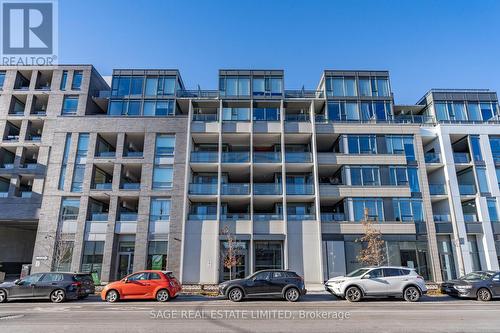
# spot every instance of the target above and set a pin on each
(16, 247)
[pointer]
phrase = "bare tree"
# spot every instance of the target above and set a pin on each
(63, 251)
(232, 254)
(373, 253)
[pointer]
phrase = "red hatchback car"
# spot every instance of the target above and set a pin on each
(159, 285)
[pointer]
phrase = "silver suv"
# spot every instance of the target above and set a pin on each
(383, 281)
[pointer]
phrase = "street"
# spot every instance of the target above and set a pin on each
(318, 312)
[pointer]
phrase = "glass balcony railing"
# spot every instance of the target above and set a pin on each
(461, 158)
(69, 217)
(297, 118)
(26, 194)
(154, 218)
(203, 189)
(105, 154)
(267, 217)
(162, 185)
(200, 217)
(96, 217)
(267, 157)
(437, 189)
(130, 186)
(470, 218)
(235, 189)
(298, 157)
(442, 218)
(34, 138)
(235, 216)
(432, 157)
(236, 157)
(8, 166)
(30, 166)
(128, 217)
(209, 117)
(333, 217)
(301, 217)
(204, 157)
(267, 189)
(467, 189)
(102, 186)
(302, 189)
(132, 154)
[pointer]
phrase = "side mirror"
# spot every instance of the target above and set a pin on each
(125, 280)
(366, 276)
(18, 281)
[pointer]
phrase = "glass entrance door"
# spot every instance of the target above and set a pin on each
(268, 255)
(241, 268)
(125, 264)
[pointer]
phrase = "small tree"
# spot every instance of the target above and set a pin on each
(373, 254)
(63, 251)
(232, 254)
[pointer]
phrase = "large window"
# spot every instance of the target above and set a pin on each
(78, 176)
(125, 108)
(493, 210)
(234, 86)
(268, 255)
(127, 85)
(64, 80)
(2, 79)
(159, 108)
(157, 255)
(408, 210)
(401, 144)
(160, 209)
(341, 86)
(77, 80)
(375, 86)
(482, 180)
(343, 111)
(380, 111)
(374, 208)
(92, 257)
(70, 208)
(267, 86)
(495, 148)
(364, 176)
(459, 111)
(83, 146)
(70, 105)
(162, 177)
(236, 114)
(62, 175)
(475, 147)
(362, 144)
(160, 85)
(165, 145)
(266, 114)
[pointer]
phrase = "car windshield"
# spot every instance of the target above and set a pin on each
(358, 272)
(477, 276)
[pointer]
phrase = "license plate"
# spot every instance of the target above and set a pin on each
(87, 291)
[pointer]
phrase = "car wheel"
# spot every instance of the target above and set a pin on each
(411, 294)
(353, 294)
(162, 295)
(3, 296)
(484, 295)
(112, 296)
(235, 294)
(57, 296)
(292, 294)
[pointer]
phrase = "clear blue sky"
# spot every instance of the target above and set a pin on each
(424, 44)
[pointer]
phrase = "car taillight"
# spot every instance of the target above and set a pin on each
(76, 284)
(420, 277)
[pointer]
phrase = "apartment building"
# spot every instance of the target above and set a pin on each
(143, 173)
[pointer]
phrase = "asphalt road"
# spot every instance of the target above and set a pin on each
(314, 313)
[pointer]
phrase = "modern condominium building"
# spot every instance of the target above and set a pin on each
(143, 173)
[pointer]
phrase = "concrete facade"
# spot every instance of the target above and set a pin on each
(146, 174)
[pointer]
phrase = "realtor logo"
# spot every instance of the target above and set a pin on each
(29, 34)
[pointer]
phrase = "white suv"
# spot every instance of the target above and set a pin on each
(378, 282)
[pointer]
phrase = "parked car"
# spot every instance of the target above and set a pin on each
(278, 283)
(481, 285)
(159, 285)
(378, 282)
(55, 286)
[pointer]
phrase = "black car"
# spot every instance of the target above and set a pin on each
(55, 286)
(278, 283)
(482, 285)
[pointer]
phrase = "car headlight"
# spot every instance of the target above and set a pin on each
(336, 281)
(463, 287)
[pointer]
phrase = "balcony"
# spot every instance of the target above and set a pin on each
(202, 189)
(209, 117)
(467, 189)
(470, 218)
(201, 217)
(441, 218)
(98, 217)
(267, 217)
(105, 154)
(155, 218)
(267, 157)
(437, 189)
(102, 186)
(297, 118)
(333, 217)
(461, 158)
(131, 186)
(204, 157)
(267, 189)
(127, 217)
(235, 217)
(26, 194)
(236, 157)
(432, 158)
(298, 157)
(211, 94)
(235, 189)
(302, 189)
(304, 93)
(301, 217)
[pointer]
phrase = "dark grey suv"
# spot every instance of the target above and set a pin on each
(278, 283)
(482, 285)
(55, 286)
